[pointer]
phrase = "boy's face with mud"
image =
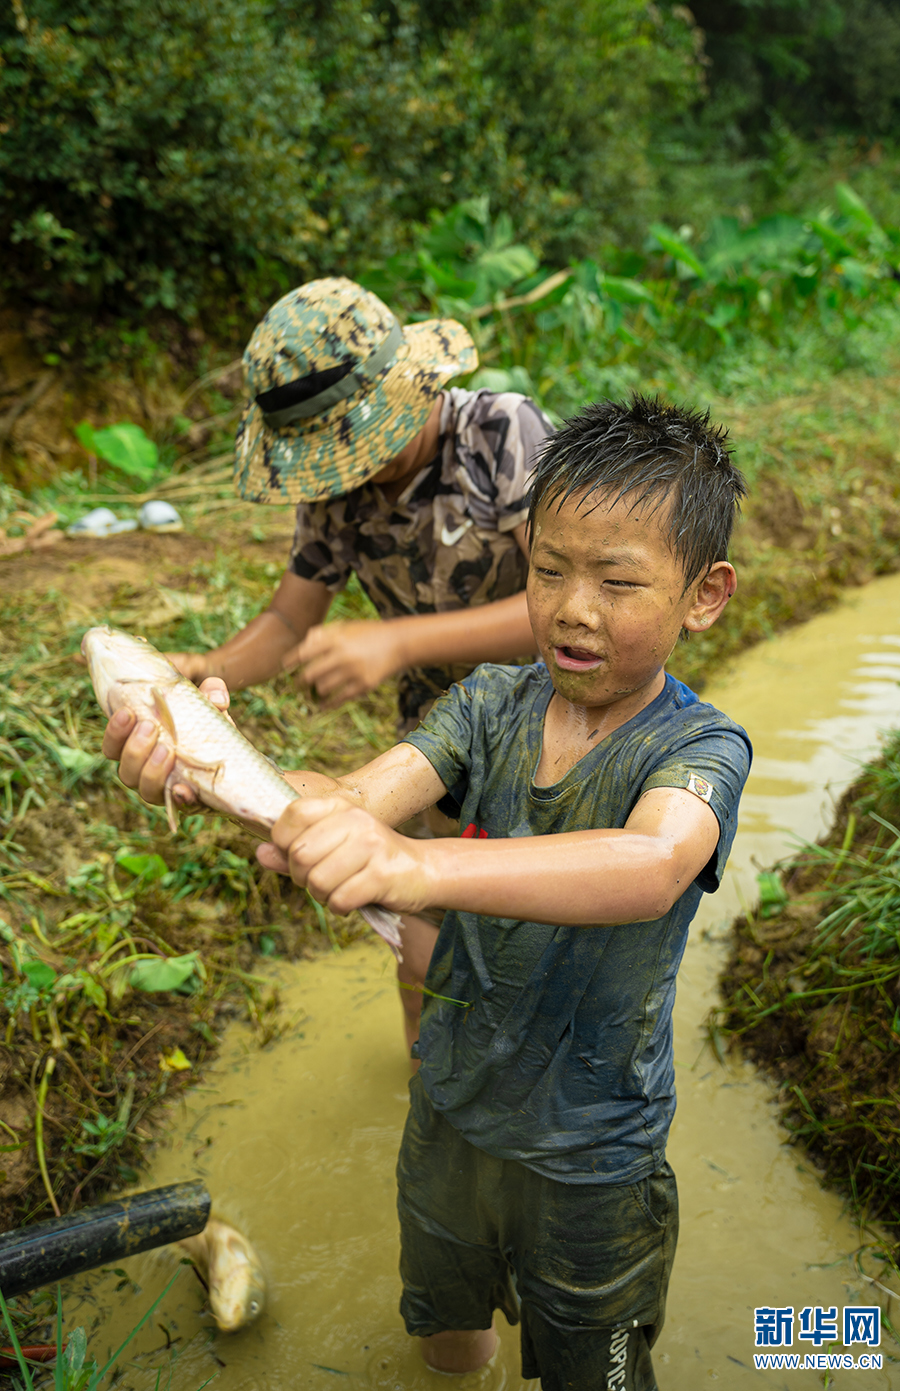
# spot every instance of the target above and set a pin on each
(607, 599)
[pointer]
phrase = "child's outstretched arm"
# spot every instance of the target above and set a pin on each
(337, 840)
(392, 788)
(582, 878)
(345, 660)
(256, 653)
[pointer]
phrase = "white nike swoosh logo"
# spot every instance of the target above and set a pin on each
(450, 538)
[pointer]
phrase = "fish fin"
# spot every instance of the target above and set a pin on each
(164, 714)
(190, 761)
(170, 809)
(386, 924)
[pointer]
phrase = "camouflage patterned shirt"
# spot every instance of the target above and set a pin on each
(447, 542)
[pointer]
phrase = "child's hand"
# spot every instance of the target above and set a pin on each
(193, 665)
(346, 858)
(144, 761)
(346, 660)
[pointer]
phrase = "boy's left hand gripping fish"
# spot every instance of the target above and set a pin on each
(211, 756)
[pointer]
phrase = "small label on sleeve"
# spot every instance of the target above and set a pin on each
(700, 787)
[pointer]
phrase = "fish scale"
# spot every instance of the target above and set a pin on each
(211, 756)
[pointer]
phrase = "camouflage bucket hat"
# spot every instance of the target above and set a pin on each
(337, 388)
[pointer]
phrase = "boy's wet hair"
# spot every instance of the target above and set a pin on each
(649, 452)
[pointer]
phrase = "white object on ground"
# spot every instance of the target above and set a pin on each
(157, 515)
(100, 522)
(96, 523)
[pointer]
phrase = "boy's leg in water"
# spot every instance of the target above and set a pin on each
(419, 931)
(592, 1269)
(463, 1351)
(591, 1262)
(419, 936)
(454, 1274)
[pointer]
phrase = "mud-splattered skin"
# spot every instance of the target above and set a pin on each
(607, 602)
(212, 757)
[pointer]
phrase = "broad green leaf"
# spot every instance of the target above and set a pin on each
(76, 1349)
(833, 242)
(502, 379)
(626, 291)
(452, 308)
(127, 448)
(149, 867)
(167, 973)
(677, 249)
(84, 433)
(854, 273)
(477, 208)
(92, 989)
(851, 205)
(445, 279)
(498, 269)
(74, 760)
(38, 974)
(502, 232)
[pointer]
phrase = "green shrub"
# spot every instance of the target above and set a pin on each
(176, 152)
(601, 325)
(153, 148)
(545, 109)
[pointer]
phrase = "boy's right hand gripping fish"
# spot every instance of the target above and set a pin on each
(211, 756)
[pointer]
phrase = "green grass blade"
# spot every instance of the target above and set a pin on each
(98, 1376)
(59, 1371)
(20, 1357)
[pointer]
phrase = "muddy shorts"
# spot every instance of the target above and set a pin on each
(584, 1266)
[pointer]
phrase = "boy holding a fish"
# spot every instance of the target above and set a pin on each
(603, 795)
(418, 490)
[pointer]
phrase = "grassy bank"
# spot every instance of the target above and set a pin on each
(812, 991)
(94, 888)
(94, 891)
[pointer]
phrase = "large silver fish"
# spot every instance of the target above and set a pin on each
(211, 756)
(232, 1273)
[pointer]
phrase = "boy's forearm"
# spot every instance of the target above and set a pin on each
(253, 655)
(494, 632)
(392, 787)
(582, 878)
(256, 653)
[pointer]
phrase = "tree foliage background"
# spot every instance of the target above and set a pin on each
(172, 153)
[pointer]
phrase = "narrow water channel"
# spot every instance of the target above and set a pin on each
(297, 1143)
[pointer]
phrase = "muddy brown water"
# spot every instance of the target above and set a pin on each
(298, 1142)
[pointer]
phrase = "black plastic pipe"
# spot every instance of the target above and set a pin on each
(49, 1251)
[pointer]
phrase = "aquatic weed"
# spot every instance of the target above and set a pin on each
(72, 1369)
(812, 990)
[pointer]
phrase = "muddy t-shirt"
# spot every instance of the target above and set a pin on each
(560, 1052)
(447, 542)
